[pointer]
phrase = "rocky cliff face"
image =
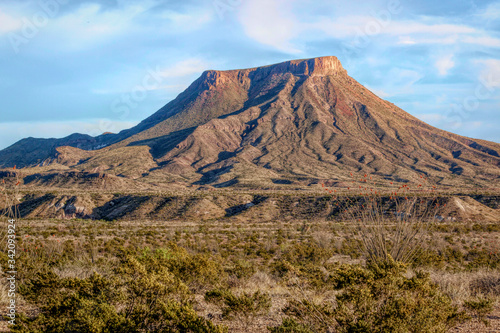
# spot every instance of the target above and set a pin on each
(299, 122)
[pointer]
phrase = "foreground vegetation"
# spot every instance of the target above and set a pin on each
(239, 276)
(375, 264)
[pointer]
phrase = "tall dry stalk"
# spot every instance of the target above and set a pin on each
(9, 202)
(389, 221)
(9, 194)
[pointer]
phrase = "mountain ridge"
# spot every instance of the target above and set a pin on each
(302, 120)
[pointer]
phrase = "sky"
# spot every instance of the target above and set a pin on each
(102, 66)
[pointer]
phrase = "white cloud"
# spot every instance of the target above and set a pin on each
(408, 32)
(478, 38)
(379, 92)
(441, 98)
(402, 80)
(89, 25)
(8, 23)
(350, 26)
(431, 117)
(490, 73)
(491, 12)
(422, 39)
(444, 64)
(12, 132)
(269, 22)
(173, 78)
(194, 20)
(483, 41)
(410, 27)
(185, 67)
(406, 40)
(477, 124)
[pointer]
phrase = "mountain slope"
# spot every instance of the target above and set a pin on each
(309, 119)
(297, 122)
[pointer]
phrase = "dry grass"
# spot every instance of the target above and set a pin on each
(461, 286)
(76, 248)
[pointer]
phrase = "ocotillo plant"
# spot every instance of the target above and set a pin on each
(390, 220)
(9, 194)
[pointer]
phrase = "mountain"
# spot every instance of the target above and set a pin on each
(298, 122)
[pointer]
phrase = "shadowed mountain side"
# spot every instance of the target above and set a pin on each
(32, 151)
(244, 207)
(81, 180)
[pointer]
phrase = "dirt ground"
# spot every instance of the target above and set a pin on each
(478, 327)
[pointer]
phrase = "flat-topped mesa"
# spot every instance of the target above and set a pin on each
(321, 66)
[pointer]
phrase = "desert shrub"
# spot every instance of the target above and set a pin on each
(242, 269)
(351, 247)
(490, 227)
(282, 268)
(486, 285)
(244, 307)
(137, 297)
(74, 314)
(41, 286)
(348, 275)
(312, 275)
(379, 298)
(391, 302)
(307, 315)
(388, 226)
(480, 307)
(482, 258)
(70, 305)
(308, 252)
(429, 258)
(316, 276)
(290, 325)
(198, 271)
(171, 316)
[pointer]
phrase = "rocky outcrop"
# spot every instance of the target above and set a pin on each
(239, 207)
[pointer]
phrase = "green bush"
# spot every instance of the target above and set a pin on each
(282, 268)
(482, 258)
(290, 325)
(242, 269)
(480, 307)
(390, 302)
(379, 298)
(348, 275)
(244, 307)
(71, 305)
(138, 297)
(198, 271)
(306, 253)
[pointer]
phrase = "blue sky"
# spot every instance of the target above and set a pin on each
(95, 66)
